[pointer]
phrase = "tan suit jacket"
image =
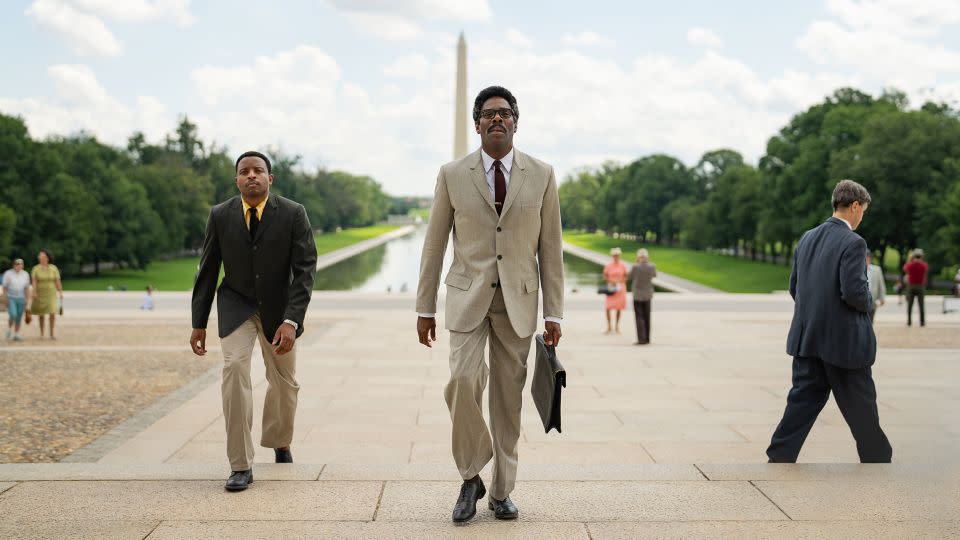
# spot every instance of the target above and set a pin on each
(522, 248)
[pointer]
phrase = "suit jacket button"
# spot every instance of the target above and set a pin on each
(255, 248)
(499, 257)
(499, 229)
(493, 285)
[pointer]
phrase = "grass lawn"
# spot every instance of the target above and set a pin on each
(718, 271)
(177, 274)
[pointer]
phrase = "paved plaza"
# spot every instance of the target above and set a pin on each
(663, 441)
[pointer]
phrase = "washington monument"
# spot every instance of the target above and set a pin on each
(460, 105)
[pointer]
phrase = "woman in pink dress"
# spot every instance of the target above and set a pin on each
(615, 274)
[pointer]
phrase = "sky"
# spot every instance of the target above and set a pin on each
(367, 86)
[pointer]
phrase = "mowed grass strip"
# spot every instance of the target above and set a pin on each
(728, 274)
(177, 274)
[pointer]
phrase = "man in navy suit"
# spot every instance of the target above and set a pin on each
(831, 338)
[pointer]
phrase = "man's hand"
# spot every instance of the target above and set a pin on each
(427, 330)
(882, 302)
(551, 333)
(284, 339)
(198, 341)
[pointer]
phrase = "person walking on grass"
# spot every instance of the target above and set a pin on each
(17, 286)
(641, 278)
(615, 274)
(831, 338)
(47, 291)
(916, 272)
(265, 244)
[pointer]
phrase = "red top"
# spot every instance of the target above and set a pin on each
(916, 272)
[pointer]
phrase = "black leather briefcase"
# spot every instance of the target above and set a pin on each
(548, 378)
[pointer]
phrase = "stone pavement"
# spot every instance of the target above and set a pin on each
(661, 441)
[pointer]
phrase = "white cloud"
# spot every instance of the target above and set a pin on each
(518, 38)
(81, 103)
(399, 20)
(463, 10)
(138, 10)
(85, 33)
(704, 37)
(412, 65)
(586, 37)
(385, 26)
(888, 42)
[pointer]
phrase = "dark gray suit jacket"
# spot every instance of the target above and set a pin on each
(829, 287)
(271, 274)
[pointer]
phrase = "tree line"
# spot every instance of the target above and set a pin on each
(909, 160)
(91, 203)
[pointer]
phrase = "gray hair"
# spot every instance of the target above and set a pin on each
(848, 192)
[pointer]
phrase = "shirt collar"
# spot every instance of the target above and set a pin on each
(847, 222)
(247, 207)
(506, 161)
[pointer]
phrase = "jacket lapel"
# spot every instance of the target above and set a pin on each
(517, 177)
(237, 219)
(479, 177)
(268, 217)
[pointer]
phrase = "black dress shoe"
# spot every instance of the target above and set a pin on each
(239, 480)
(504, 509)
(283, 456)
(470, 492)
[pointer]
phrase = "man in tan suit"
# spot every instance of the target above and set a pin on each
(503, 209)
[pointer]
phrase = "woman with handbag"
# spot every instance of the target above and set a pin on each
(615, 274)
(47, 291)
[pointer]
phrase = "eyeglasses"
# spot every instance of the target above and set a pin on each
(506, 114)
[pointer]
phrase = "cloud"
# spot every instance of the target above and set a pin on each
(81, 103)
(888, 42)
(464, 10)
(518, 38)
(139, 10)
(385, 26)
(85, 33)
(413, 65)
(400, 20)
(704, 37)
(586, 37)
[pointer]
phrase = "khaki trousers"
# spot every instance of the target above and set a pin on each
(472, 444)
(279, 405)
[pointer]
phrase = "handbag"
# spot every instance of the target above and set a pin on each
(549, 378)
(608, 289)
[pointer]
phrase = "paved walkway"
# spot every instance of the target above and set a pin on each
(663, 280)
(658, 441)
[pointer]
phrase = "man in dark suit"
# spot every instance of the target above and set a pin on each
(831, 338)
(269, 259)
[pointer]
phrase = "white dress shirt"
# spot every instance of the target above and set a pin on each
(506, 165)
(847, 222)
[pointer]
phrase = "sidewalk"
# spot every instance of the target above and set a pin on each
(664, 441)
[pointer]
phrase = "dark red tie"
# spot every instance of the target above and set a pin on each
(499, 187)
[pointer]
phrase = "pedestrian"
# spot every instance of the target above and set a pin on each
(916, 271)
(47, 291)
(503, 206)
(16, 285)
(831, 339)
(641, 278)
(615, 274)
(147, 304)
(956, 283)
(877, 285)
(264, 244)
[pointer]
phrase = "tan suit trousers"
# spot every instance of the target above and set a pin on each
(279, 405)
(473, 443)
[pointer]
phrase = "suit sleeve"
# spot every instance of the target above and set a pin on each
(206, 284)
(434, 247)
(303, 268)
(550, 251)
(854, 288)
(793, 274)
